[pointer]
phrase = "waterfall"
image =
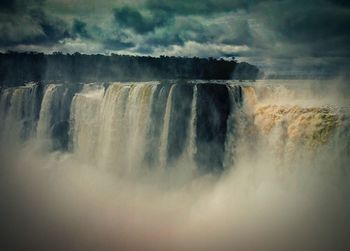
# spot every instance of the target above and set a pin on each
(158, 162)
(132, 126)
(191, 145)
(53, 125)
(111, 128)
(85, 121)
(47, 110)
(19, 112)
(234, 124)
(137, 123)
(5, 102)
(165, 132)
(124, 122)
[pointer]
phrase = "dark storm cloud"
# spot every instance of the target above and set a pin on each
(306, 22)
(116, 44)
(129, 17)
(19, 5)
(204, 7)
(257, 30)
(281, 29)
(163, 40)
(79, 28)
(7, 5)
(26, 23)
(53, 29)
(178, 33)
(314, 32)
(341, 2)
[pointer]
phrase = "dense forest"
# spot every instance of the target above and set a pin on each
(17, 68)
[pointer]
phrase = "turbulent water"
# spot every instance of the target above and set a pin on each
(178, 166)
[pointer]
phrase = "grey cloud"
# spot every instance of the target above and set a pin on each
(54, 29)
(271, 30)
(79, 28)
(314, 32)
(198, 7)
(221, 30)
(25, 22)
(115, 44)
(180, 31)
(145, 49)
(129, 17)
(13, 6)
(116, 39)
(305, 21)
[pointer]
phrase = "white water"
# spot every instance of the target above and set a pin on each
(112, 132)
(192, 149)
(165, 131)
(285, 185)
(46, 110)
(85, 123)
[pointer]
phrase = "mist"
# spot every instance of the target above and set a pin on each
(137, 168)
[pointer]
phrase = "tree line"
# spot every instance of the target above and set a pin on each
(19, 67)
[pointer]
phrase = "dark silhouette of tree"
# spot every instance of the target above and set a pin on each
(17, 68)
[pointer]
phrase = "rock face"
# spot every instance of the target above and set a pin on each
(214, 107)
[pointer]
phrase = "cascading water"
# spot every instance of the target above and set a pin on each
(191, 142)
(19, 112)
(174, 164)
(127, 125)
(84, 123)
(112, 131)
(165, 132)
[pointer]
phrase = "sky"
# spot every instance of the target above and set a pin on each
(279, 36)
